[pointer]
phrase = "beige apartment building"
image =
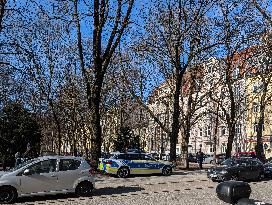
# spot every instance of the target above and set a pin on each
(202, 132)
(210, 90)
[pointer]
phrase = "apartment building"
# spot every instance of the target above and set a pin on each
(259, 93)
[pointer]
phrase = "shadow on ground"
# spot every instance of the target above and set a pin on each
(117, 190)
(107, 191)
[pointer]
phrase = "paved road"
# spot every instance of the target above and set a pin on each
(188, 188)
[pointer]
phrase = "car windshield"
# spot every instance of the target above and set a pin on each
(247, 155)
(112, 156)
(22, 165)
(228, 162)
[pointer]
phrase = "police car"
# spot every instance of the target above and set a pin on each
(125, 164)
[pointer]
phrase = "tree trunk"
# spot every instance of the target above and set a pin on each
(230, 140)
(94, 105)
(100, 61)
(231, 120)
(259, 147)
(215, 134)
(185, 146)
(2, 12)
(175, 119)
(58, 126)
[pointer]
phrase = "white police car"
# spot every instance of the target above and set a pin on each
(125, 164)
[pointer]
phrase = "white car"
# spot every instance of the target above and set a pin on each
(47, 175)
(208, 159)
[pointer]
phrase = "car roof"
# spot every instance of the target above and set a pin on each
(59, 157)
(128, 153)
(251, 152)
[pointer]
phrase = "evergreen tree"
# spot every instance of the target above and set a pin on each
(18, 130)
(126, 140)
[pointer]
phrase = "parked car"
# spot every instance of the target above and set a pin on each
(47, 175)
(219, 158)
(208, 159)
(125, 164)
(192, 158)
(136, 150)
(269, 160)
(154, 155)
(165, 157)
(237, 169)
(268, 169)
(245, 155)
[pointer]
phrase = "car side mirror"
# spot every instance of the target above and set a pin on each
(27, 172)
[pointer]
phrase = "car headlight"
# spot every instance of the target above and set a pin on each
(209, 170)
(223, 172)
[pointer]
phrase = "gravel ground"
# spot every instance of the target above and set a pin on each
(188, 188)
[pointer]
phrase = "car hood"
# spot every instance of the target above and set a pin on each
(3, 173)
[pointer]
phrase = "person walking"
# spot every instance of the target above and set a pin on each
(199, 158)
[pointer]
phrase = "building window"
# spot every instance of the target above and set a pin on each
(237, 90)
(255, 107)
(238, 147)
(238, 128)
(255, 88)
(200, 132)
(210, 69)
(255, 127)
(222, 114)
(197, 85)
(235, 73)
(211, 149)
(223, 148)
(208, 131)
(223, 131)
(261, 87)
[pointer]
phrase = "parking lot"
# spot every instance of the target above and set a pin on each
(183, 187)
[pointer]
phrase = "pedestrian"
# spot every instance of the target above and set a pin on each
(18, 159)
(199, 158)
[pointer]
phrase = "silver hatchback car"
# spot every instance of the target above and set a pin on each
(47, 175)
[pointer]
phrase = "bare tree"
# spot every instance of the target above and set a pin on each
(176, 38)
(237, 33)
(102, 14)
(263, 65)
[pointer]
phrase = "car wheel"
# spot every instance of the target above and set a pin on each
(123, 172)
(84, 188)
(8, 195)
(166, 171)
(261, 176)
